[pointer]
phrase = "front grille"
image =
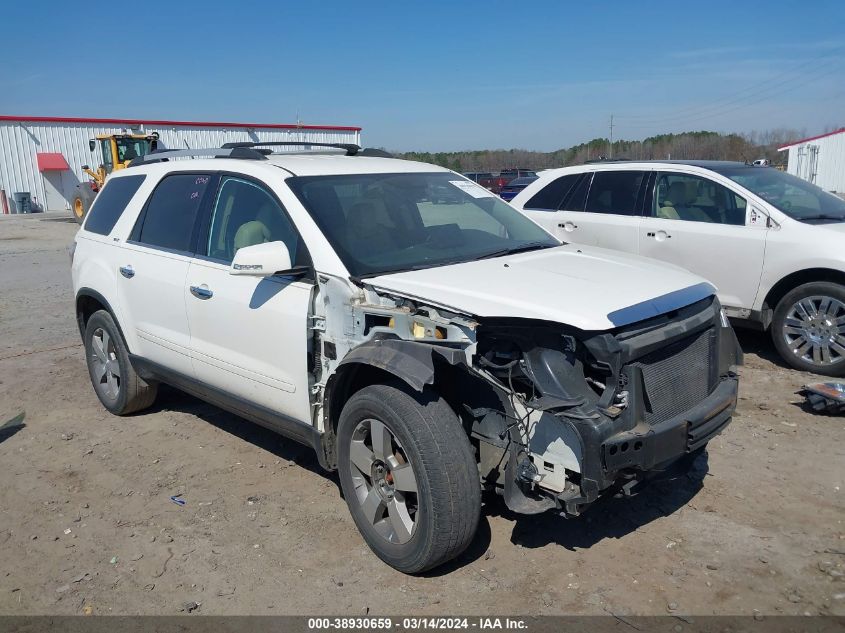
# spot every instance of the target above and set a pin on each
(677, 377)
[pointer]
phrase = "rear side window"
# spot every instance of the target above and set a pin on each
(111, 202)
(171, 213)
(550, 197)
(615, 192)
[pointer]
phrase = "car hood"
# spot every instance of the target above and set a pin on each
(585, 287)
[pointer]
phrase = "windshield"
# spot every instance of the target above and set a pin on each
(131, 148)
(797, 198)
(380, 223)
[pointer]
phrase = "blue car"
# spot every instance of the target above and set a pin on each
(516, 185)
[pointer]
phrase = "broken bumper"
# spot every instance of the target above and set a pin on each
(648, 448)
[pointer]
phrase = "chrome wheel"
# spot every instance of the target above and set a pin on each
(814, 330)
(104, 364)
(384, 481)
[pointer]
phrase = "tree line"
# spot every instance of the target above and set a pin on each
(701, 145)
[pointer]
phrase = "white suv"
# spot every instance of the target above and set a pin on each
(773, 244)
(426, 339)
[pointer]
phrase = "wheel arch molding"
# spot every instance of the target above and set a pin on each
(791, 281)
(415, 364)
(88, 301)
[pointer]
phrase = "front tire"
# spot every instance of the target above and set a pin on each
(115, 381)
(83, 196)
(808, 328)
(409, 476)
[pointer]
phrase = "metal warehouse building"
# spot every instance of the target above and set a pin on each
(819, 159)
(44, 155)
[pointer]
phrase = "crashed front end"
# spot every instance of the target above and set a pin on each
(584, 412)
(557, 415)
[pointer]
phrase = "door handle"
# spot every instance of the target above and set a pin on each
(568, 226)
(127, 271)
(658, 235)
(201, 292)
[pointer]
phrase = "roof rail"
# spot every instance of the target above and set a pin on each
(350, 148)
(162, 155)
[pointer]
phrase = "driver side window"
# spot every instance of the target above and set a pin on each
(696, 199)
(244, 215)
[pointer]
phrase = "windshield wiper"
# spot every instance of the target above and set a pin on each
(822, 216)
(528, 246)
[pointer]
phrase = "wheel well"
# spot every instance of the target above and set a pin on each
(798, 278)
(86, 305)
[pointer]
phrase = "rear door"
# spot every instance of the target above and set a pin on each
(249, 335)
(707, 228)
(605, 210)
(154, 265)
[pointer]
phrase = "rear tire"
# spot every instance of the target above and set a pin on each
(115, 381)
(808, 328)
(430, 513)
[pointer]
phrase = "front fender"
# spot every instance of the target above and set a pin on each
(410, 361)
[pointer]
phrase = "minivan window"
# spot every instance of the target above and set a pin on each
(550, 197)
(170, 217)
(615, 192)
(111, 202)
(244, 215)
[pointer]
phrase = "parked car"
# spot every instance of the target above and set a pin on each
(495, 182)
(516, 185)
(773, 244)
(421, 349)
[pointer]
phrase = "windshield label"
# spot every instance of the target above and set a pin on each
(473, 189)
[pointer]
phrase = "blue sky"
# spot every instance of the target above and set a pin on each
(436, 75)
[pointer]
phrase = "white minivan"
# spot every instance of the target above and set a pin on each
(772, 244)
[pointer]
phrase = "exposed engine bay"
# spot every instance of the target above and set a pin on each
(556, 415)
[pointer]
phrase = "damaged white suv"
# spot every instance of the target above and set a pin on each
(426, 339)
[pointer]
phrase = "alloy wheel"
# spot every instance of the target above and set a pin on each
(104, 363)
(384, 481)
(814, 330)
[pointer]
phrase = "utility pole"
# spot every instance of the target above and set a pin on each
(611, 136)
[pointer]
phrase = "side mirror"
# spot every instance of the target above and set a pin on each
(261, 260)
(92, 144)
(85, 167)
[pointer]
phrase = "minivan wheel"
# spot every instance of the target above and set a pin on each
(409, 476)
(808, 328)
(115, 382)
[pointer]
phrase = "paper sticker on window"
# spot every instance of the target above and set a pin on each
(476, 191)
(756, 217)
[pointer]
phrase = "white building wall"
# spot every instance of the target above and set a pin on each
(20, 140)
(827, 168)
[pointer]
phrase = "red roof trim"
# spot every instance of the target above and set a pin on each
(51, 161)
(812, 138)
(165, 123)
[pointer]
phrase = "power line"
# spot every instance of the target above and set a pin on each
(756, 89)
(778, 90)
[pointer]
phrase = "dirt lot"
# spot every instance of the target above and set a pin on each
(87, 525)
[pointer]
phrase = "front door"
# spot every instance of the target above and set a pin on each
(249, 335)
(702, 226)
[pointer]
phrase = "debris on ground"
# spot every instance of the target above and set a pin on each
(178, 500)
(825, 396)
(188, 607)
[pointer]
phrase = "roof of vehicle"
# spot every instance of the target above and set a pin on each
(714, 165)
(298, 164)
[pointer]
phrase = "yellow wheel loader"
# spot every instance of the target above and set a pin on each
(118, 151)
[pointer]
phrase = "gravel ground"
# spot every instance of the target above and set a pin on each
(87, 525)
